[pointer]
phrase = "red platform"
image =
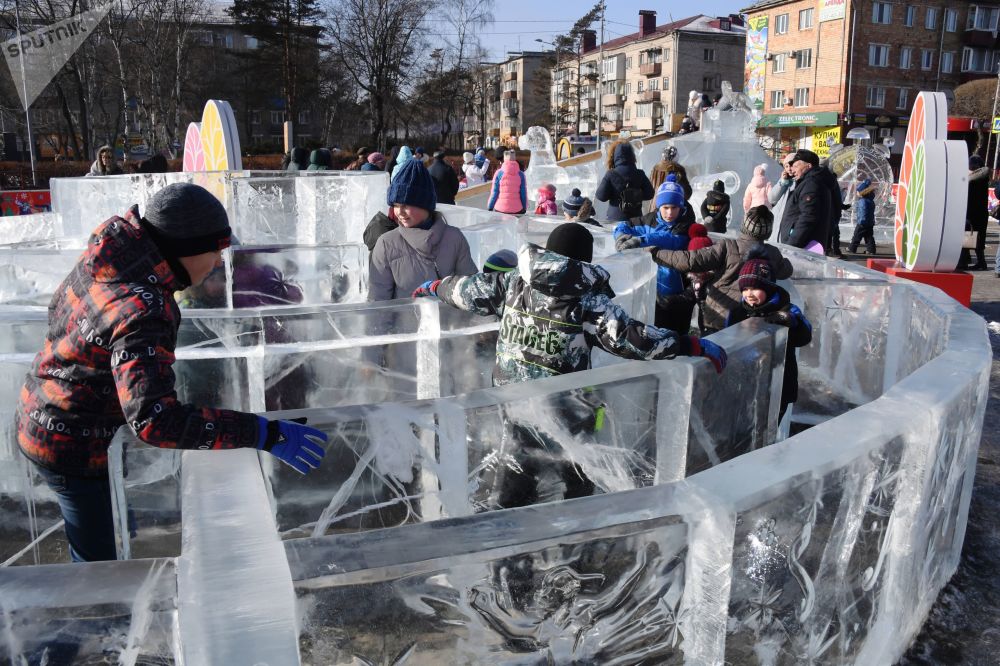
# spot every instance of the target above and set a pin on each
(958, 285)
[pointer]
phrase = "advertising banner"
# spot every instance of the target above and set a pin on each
(756, 60)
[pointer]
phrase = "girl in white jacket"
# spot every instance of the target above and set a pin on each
(474, 175)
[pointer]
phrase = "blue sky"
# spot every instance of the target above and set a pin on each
(520, 22)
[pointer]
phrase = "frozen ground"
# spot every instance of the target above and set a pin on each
(964, 624)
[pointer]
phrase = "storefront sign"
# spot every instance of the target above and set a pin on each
(821, 140)
(823, 119)
(933, 190)
(830, 10)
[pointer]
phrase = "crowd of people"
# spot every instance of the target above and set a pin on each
(107, 358)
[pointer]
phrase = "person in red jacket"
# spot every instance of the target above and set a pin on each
(107, 356)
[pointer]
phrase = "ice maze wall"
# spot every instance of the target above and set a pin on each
(707, 535)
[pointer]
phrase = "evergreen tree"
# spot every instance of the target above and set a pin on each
(286, 30)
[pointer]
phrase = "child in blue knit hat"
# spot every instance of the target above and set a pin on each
(664, 228)
(864, 217)
(423, 247)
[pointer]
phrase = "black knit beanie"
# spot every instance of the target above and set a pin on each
(185, 220)
(572, 240)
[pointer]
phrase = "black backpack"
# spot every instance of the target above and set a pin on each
(630, 201)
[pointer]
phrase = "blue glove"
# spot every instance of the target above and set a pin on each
(294, 443)
(429, 288)
(711, 351)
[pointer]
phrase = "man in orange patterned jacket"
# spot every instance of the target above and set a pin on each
(107, 361)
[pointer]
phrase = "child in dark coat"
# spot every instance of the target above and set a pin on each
(554, 309)
(762, 297)
(715, 208)
(864, 218)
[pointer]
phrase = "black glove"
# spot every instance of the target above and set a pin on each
(781, 318)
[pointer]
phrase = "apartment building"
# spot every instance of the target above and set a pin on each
(640, 81)
(819, 69)
(511, 98)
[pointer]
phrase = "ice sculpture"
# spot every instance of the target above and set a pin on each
(853, 163)
(703, 535)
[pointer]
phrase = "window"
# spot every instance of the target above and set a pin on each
(903, 98)
(203, 37)
(906, 57)
(805, 18)
(950, 20)
(628, 62)
(978, 60)
(947, 61)
(304, 117)
(781, 24)
(930, 18)
(666, 83)
(802, 97)
(881, 12)
(710, 83)
(277, 117)
(875, 98)
(654, 84)
(251, 42)
(910, 16)
(803, 58)
(778, 63)
(628, 113)
(709, 55)
(926, 59)
(878, 55)
(638, 86)
(777, 99)
(982, 18)
(255, 117)
(666, 56)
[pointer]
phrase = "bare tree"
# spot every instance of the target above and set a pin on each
(975, 99)
(376, 41)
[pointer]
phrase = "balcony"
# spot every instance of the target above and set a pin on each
(612, 99)
(588, 103)
(648, 123)
(510, 76)
(509, 94)
(650, 68)
(611, 125)
(649, 96)
(979, 38)
(509, 111)
(584, 127)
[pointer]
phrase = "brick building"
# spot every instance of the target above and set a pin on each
(817, 69)
(645, 77)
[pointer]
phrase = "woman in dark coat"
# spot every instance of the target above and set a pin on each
(625, 186)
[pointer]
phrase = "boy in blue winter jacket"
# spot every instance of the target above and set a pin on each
(864, 217)
(665, 228)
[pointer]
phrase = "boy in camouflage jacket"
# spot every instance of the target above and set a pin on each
(555, 308)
